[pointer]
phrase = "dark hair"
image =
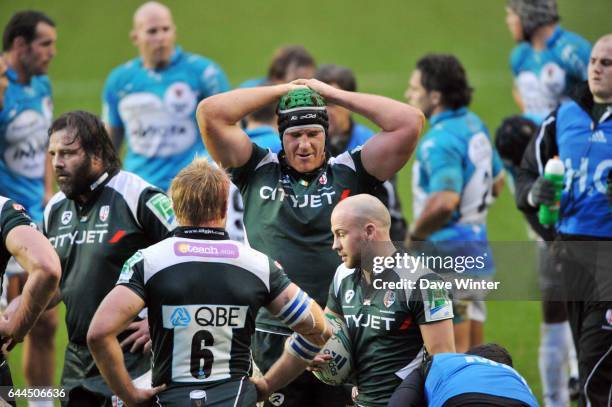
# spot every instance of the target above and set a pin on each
(23, 24)
(92, 134)
(340, 75)
(284, 57)
(513, 136)
(445, 74)
(492, 351)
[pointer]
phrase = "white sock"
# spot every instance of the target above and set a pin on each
(571, 352)
(40, 403)
(552, 363)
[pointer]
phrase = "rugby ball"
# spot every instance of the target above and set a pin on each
(339, 368)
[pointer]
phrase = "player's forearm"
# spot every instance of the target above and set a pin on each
(388, 114)
(37, 294)
(227, 109)
(286, 369)
(109, 359)
(434, 217)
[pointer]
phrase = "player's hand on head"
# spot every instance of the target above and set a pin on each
(318, 362)
(542, 192)
(322, 88)
(139, 338)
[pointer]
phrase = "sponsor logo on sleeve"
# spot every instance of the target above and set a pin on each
(437, 305)
(161, 207)
(128, 268)
(389, 298)
(348, 296)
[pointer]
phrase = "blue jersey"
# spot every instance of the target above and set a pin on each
(456, 155)
(544, 77)
(157, 110)
(452, 374)
(359, 135)
(24, 121)
(252, 83)
(265, 137)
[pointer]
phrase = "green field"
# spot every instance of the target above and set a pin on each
(380, 41)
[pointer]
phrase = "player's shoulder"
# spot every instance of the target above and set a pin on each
(54, 202)
(131, 188)
(569, 38)
(199, 64)
(124, 72)
(519, 55)
(42, 83)
(266, 157)
(342, 273)
(346, 159)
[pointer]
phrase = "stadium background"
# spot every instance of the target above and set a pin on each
(380, 42)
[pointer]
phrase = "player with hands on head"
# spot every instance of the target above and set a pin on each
(288, 197)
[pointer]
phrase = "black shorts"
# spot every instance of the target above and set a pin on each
(306, 390)
(82, 379)
(240, 392)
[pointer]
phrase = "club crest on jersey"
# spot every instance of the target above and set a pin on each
(179, 99)
(348, 296)
(66, 217)
(180, 317)
(276, 399)
(323, 179)
(104, 211)
(389, 298)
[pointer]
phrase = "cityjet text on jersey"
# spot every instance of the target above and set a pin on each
(307, 200)
(79, 237)
(375, 322)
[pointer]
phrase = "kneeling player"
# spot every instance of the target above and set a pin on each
(203, 292)
(481, 377)
(389, 329)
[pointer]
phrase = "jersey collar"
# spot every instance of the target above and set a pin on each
(202, 233)
(447, 114)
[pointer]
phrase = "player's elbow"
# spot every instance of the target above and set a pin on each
(47, 268)
(97, 334)
(410, 130)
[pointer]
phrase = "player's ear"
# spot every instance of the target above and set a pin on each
(370, 231)
(134, 36)
(19, 43)
(435, 97)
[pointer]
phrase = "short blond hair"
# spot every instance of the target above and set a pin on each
(199, 193)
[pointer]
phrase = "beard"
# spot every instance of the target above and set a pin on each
(76, 182)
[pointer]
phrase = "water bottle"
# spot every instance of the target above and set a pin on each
(554, 170)
(198, 398)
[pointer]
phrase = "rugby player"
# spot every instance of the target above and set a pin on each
(150, 100)
(288, 197)
(288, 63)
(456, 174)
(100, 217)
(203, 292)
(483, 376)
(26, 111)
(547, 63)
(19, 238)
(577, 132)
(345, 134)
(390, 329)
